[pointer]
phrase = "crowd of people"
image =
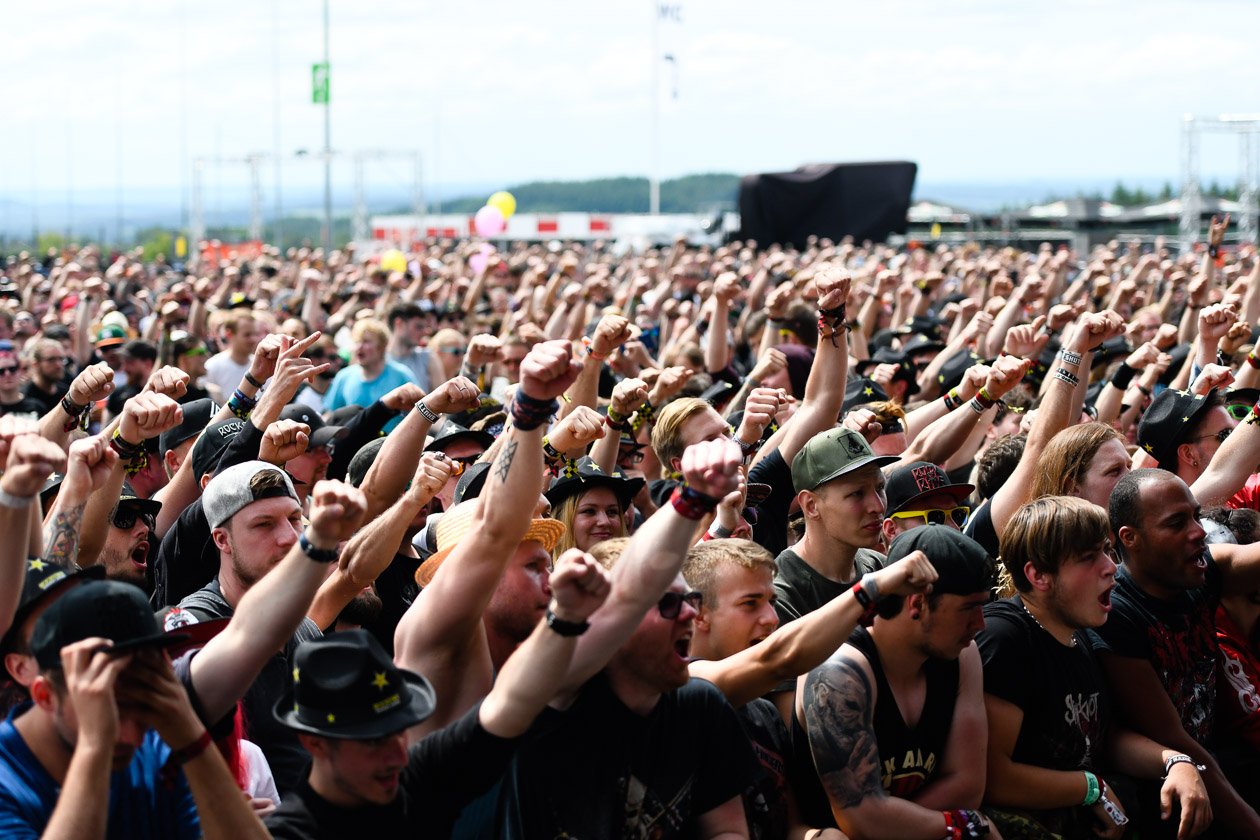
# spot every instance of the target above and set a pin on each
(841, 541)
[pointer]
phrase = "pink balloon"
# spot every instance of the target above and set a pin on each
(478, 262)
(489, 221)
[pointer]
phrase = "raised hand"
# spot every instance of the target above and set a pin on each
(168, 380)
(283, 441)
(266, 355)
(1212, 377)
(628, 395)
(712, 467)
(1094, 328)
(1027, 340)
(864, 422)
(832, 284)
(88, 465)
(1215, 321)
(548, 370)
(94, 382)
(669, 383)
(611, 332)
(1005, 373)
(759, 411)
(771, 362)
(147, 415)
(31, 460)
(403, 397)
(12, 427)
(337, 510)
(578, 430)
(910, 575)
(579, 586)
(482, 350)
(432, 473)
(453, 396)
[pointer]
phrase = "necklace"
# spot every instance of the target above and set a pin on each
(1071, 643)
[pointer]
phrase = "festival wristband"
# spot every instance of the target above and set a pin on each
(1092, 789)
(426, 412)
(183, 755)
(691, 503)
(15, 502)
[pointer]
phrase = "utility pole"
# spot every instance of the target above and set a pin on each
(328, 216)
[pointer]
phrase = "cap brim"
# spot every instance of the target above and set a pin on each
(866, 461)
(757, 493)
(325, 435)
(421, 701)
(110, 342)
(958, 492)
(165, 641)
(197, 635)
(545, 531)
(440, 443)
(47, 595)
(150, 506)
(624, 489)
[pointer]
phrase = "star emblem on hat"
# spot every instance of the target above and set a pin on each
(1149, 448)
(1185, 419)
(868, 391)
(332, 718)
(295, 674)
(379, 680)
(38, 565)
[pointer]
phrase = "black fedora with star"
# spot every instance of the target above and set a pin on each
(345, 686)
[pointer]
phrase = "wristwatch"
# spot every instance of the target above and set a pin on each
(566, 628)
(319, 555)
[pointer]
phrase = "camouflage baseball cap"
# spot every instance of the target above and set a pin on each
(831, 454)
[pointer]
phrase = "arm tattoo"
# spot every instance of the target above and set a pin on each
(61, 537)
(504, 464)
(838, 715)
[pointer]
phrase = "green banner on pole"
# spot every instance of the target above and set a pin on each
(319, 83)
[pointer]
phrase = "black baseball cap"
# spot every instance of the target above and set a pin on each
(43, 582)
(110, 609)
(322, 433)
(209, 447)
(962, 565)
(197, 415)
(127, 496)
(362, 461)
(906, 485)
(860, 391)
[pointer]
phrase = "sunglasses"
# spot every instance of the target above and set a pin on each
(1220, 436)
(198, 350)
(125, 519)
(453, 351)
(671, 603)
(8, 369)
(936, 516)
(632, 457)
(1239, 411)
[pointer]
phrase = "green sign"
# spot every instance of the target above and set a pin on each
(319, 83)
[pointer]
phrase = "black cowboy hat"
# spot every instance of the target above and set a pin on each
(588, 475)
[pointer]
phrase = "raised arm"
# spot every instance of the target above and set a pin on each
(95, 382)
(529, 678)
(88, 468)
(802, 645)
(28, 461)
(273, 608)
(611, 332)
(440, 635)
(654, 555)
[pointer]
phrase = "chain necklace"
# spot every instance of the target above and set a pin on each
(1071, 644)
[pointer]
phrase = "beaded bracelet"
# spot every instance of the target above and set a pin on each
(691, 503)
(528, 413)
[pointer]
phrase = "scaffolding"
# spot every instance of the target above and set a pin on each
(1247, 128)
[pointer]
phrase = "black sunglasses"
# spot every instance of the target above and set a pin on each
(671, 603)
(125, 519)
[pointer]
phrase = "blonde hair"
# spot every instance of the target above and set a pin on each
(566, 512)
(370, 327)
(1067, 457)
(608, 552)
(1048, 532)
(667, 433)
(703, 561)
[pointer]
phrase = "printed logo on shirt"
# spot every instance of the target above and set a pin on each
(1248, 699)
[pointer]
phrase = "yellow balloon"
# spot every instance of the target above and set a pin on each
(394, 260)
(505, 201)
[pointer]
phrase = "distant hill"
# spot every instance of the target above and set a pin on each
(690, 194)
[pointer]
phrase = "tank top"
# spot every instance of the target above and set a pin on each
(909, 757)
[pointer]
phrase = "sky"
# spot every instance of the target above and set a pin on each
(122, 97)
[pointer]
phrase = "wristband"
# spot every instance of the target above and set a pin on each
(691, 503)
(982, 397)
(1092, 789)
(1070, 357)
(529, 413)
(319, 555)
(564, 628)
(78, 414)
(963, 825)
(1214, 251)
(557, 461)
(241, 405)
(1123, 376)
(1182, 758)
(1252, 360)
(719, 531)
(183, 755)
(1117, 816)
(977, 406)
(1067, 376)
(132, 455)
(952, 400)
(749, 449)
(249, 377)
(863, 599)
(15, 502)
(426, 412)
(589, 345)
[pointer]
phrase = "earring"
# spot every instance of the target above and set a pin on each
(914, 614)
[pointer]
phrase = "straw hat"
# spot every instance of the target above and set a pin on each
(457, 522)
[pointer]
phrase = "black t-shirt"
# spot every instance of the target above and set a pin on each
(25, 407)
(1177, 637)
(770, 531)
(1060, 689)
(801, 589)
(47, 400)
(600, 770)
(397, 589)
(279, 743)
(444, 771)
(765, 802)
(980, 528)
(114, 405)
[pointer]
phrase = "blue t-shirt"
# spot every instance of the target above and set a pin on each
(141, 805)
(350, 388)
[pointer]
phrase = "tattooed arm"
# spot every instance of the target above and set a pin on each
(839, 703)
(88, 467)
(441, 635)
